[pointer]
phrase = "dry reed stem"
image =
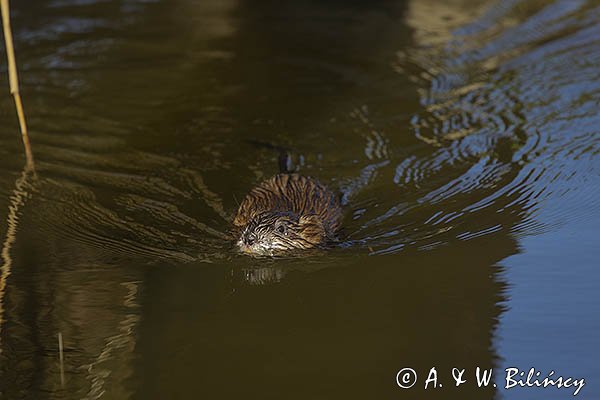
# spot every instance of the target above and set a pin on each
(14, 80)
(19, 194)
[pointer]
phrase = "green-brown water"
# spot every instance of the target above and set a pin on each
(463, 135)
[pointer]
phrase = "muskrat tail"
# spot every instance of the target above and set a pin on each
(286, 164)
(284, 160)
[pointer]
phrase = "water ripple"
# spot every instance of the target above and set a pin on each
(510, 112)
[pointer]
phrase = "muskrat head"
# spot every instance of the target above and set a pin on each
(275, 233)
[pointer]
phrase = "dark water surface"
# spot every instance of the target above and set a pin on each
(463, 135)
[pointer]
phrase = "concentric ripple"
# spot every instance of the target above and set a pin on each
(510, 115)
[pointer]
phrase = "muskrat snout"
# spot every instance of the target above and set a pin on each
(246, 242)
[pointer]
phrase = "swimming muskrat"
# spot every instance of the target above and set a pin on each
(285, 213)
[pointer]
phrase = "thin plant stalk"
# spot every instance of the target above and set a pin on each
(20, 192)
(14, 80)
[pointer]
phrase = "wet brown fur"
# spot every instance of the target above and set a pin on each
(315, 211)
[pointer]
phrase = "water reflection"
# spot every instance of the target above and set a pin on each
(18, 198)
(325, 327)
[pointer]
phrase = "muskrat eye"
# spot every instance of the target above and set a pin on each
(282, 229)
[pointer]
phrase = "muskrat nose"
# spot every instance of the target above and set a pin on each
(249, 240)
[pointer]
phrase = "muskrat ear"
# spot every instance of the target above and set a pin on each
(312, 228)
(310, 219)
